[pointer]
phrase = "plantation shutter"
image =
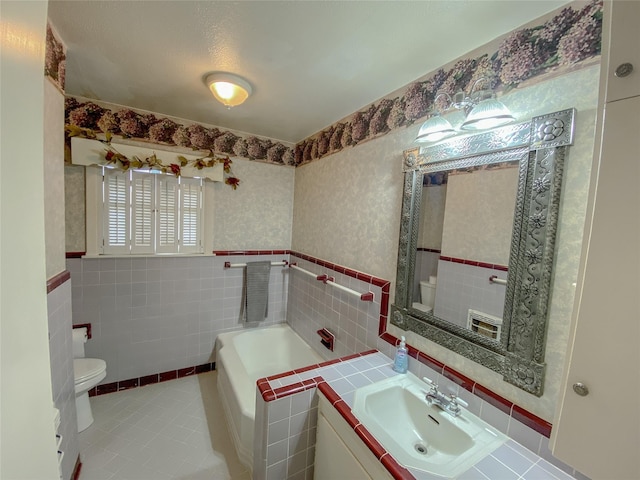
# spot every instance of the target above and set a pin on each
(190, 215)
(147, 213)
(167, 214)
(116, 211)
(142, 224)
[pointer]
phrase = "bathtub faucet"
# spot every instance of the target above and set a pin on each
(448, 403)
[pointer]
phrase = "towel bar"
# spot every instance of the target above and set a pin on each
(365, 297)
(240, 265)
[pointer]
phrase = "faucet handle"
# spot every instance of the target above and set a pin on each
(431, 383)
(458, 401)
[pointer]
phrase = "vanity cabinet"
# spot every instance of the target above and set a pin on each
(340, 454)
(597, 424)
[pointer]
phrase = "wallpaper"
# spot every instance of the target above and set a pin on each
(432, 219)
(258, 214)
(478, 217)
(556, 44)
(347, 209)
(53, 179)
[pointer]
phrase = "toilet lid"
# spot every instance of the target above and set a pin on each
(84, 368)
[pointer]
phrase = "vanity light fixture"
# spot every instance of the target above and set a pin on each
(435, 129)
(228, 89)
(481, 108)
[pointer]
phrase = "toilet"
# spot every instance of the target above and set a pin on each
(87, 372)
(427, 295)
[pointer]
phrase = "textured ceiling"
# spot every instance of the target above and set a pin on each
(311, 63)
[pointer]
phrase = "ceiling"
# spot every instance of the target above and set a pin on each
(311, 63)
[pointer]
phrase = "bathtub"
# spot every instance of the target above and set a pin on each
(243, 357)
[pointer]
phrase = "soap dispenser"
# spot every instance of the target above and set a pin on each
(401, 362)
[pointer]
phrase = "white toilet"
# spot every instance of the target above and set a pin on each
(427, 295)
(87, 372)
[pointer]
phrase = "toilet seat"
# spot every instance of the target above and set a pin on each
(88, 372)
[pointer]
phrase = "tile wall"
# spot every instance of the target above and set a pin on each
(62, 379)
(462, 287)
(159, 314)
(286, 419)
(314, 305)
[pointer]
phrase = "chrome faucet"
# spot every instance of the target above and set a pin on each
(448, 403)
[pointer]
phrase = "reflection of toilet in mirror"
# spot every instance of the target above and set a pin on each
(88, 372)
(427, 295)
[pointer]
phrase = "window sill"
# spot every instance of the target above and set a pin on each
(157, 255)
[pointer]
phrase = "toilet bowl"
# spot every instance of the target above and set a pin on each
(87, 373)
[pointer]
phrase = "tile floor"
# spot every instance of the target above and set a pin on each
(170, 430)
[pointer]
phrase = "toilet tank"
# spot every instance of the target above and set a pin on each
(427, 293)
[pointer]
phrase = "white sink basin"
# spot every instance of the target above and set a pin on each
(419, 435)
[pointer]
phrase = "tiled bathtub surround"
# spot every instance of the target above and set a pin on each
(286, 416)
(62, 379)
(159, 314)
(314, 305)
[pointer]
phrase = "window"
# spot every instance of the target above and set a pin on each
(149, 213)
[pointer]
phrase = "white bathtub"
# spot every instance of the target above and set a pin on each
(242, 358)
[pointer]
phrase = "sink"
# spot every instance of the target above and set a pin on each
(419, 435)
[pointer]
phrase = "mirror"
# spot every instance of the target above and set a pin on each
(484, 252)
(462, 253)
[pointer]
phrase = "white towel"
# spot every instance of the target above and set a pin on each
(257, 290)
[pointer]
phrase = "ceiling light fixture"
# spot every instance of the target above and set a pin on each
(481, 108)
(228, 89)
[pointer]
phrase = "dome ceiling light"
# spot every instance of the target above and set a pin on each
(228, 89)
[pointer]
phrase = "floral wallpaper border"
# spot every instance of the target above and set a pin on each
(570, 37)
(564, 41)
(55, 59)
(102, 117)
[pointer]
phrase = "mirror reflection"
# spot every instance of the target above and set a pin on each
(463, 246)
(486, 245)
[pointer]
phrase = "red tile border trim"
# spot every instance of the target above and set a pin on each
(493, 398)
(57, 280)
(458, 378)
(431, 250)
(532, 421)
(345, 411)
(75, 254)
(269, 393)
(475, 263)
(75, 475)
(396, 470)
(150, 379)
(378, 450)
(226, 253)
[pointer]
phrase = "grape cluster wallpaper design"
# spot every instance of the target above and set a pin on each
(570, 37)
(564, 41)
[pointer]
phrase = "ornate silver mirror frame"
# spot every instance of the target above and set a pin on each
(539, 146)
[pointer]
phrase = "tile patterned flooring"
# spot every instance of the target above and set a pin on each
(170, 430)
